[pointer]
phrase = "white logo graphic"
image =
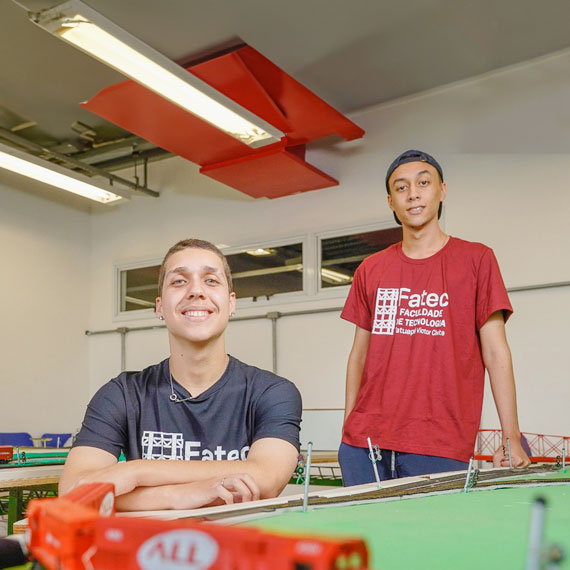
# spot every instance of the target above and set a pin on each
(160, 445)
(163, 445)
(398, 311)
(386, 309)
(178, 550)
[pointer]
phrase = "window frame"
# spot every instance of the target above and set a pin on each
(118, 268)
(291, 296)
(312, 290)
(342, 290)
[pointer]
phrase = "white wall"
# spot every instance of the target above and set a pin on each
(44, 253)
(538, 335)
(505, 148)
(496, 137)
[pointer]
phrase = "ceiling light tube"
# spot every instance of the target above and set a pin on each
(332, 276)
(89, 31)
(55, 175)
(261, 251)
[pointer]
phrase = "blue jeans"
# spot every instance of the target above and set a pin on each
(357, 468)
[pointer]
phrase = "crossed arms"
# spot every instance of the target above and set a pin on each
(144, 484)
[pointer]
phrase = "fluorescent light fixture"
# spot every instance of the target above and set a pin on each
(332, 276)
(54, 175)
(94, 34)
(261, 251)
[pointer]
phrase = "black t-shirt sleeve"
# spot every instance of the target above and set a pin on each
(278, 413)
(105, 422)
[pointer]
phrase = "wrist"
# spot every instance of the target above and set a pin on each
(511, 435)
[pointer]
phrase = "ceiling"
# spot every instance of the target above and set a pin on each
(351, 54)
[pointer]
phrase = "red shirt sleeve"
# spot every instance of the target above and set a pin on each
(357, 308)
(491, 291)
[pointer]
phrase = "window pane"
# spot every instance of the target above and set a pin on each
(340, 256)
(266, 271)
(139, 288)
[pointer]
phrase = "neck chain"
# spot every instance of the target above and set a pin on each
(173, 397)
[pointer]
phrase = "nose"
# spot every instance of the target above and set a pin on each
(192, 294)
(413, 193)
(195, 289)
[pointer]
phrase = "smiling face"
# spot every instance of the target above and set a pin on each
(196, 302)
(415, 193)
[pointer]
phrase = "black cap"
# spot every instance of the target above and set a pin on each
(412, 156)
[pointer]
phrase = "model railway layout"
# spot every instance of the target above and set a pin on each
(80, 530)
(11, 456)
(422, 485)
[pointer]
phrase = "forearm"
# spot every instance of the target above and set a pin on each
(270, 463)
(498, 361)
(353, 380)
(500, 369)
(156, 473)
(148, 499)
(85, 464)
(354, 368)
(231, 488)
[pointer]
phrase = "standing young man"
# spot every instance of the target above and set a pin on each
(238, 424)
(430, 316)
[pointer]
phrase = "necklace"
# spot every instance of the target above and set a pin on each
(174, 397)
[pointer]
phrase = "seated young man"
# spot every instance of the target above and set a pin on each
(236, 424)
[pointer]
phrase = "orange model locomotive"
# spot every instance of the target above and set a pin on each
(79, 532)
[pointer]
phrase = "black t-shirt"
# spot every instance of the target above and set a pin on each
(133, 413)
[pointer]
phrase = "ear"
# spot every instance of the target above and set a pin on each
(443, 191)
(158, 307)
(232, 302)
(389, 198)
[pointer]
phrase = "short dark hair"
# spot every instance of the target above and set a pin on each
(193, 244)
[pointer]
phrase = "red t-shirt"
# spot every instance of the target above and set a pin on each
(422, 383)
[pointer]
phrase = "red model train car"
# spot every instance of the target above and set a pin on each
(70, 533)
(6, 453)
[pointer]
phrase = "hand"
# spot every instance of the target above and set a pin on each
(234, 488)
(518, 456)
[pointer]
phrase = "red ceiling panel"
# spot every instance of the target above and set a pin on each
(146, 114)
(255, 83)
(269, 174)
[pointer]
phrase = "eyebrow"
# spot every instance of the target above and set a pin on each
(203, 268)
(402, 179)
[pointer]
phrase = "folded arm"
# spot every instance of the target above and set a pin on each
(158, 484)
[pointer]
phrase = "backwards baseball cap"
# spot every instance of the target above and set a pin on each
(412, 156)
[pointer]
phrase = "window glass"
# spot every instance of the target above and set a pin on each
(341, 255)
(264, 272)
(139, 288)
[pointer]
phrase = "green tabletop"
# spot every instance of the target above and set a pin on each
(481, 529)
